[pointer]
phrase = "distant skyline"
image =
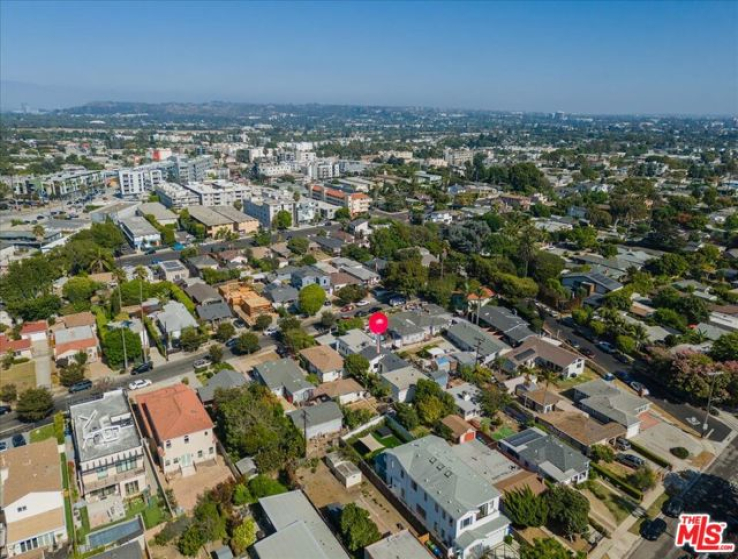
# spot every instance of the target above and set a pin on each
(579, 57)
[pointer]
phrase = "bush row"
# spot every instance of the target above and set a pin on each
(618, 482)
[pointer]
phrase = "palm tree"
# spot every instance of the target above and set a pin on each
(547, 376)
(101, 262)
(38, 232)
(141, 272)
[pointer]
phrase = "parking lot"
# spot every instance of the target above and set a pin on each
(8, 442)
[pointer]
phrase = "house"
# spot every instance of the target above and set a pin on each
(20, 349)
(345, 471)
(281, 295)
(129, 550)
(34, 331)
(285, 379)
(201, 293)
(395, 546)
(607, 403)
(383, 361)
(297, 530)
(330, 245)
(402, 383)
(591, 283)
(411, 327)
(323, 361)
(174, 271)
(459, 430)
(85, 318)
(466, 397)
(308, 275)
(172, 319)
(243, 296)
(214, 312)
(316, 421)
(354, 341)
(345, 391)
(108, 450)
(139, 232)
(178, 427)
(547, 456)
(70, 341)
(539, 352)
(505, 322)
(535, 398)
(32, 498)
(363, 275)
(451, 499)
(197, 264)
(223, 379)
(468, 337)
(581, 431)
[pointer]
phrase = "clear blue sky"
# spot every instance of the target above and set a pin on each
(594, 57)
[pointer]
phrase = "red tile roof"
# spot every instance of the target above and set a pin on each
(76, 345)
(33, 327)
(173, 411)
(6, 344)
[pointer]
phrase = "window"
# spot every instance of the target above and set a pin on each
(126, 465)
(102, 472)
(436, 507)
(211, 450)
(186, 439)
(402, 474)
(131, 487)
(414, 485)
(199, 454)
(169, 444)
(466, 522)
(22, 509)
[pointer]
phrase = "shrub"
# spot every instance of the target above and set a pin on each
(650, 455)
(680, 452)
(618, 482)
(242, 495)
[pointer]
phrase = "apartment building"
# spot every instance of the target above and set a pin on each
(178, 427)
(452, 500)
(265, 210)
(162, 215)
(140, 233)
(176, 196)
(109, 451)
(187, 170)
(356, 202)
(134, 183)
(31, 498)
(322, 170)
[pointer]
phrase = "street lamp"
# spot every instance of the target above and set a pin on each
(713, 375)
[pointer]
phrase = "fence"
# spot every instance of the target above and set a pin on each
(361, 428)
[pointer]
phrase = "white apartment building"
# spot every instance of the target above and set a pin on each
(176, 196)
(452, 500)
(139, 232)
(321, 170)
(275, 168)
(219, 192)
(265, 210)
(109, 452)
(136, 182)
(186, 170)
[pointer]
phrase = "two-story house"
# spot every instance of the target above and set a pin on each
(109, 451)
(308, 275)
(323, 361)
(31, 497)
(178, 427)
(539, 352)
(452, 500)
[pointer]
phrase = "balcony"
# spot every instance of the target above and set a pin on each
(95, 484)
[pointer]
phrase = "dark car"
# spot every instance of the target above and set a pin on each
(4, 409)
(568, 321)
(674, 507)
(3, 446)
(587, 352)
(142, 368)
(624, 376)
(622, 358)
(18, 440)
(652, 529)
(631, 460)
(80, 386)
(573, 343)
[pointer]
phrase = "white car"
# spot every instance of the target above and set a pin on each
(140, 383)
(362, 303)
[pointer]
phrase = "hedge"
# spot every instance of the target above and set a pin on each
(599, 527)
(154, 336)
(618, 481)
(650, 455)
(100, 320)
(182, 297)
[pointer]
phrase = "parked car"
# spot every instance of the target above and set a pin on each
(80, 386)
(201, 364)
(347, 308)
(587, 352)
(231, 343)
(140, 383)
(568, 321)
(621, 443)
(631, 460)
(622, 357)
(674, 507)
(573, 343)
(607, 347)
(624, 376)
(144, 367)
(362, 303)
(608, 377)
(4, 409)
(271, 330)
(3, 446)
(328, 303)
(638, 387)
(18, 440)
(397, 301)
(238, 323)
(652, 529)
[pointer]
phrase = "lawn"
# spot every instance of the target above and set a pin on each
(619, 506)
(43, 433)
(67, 503)
(22, 375)
(389, 441)
(652, 512)
(503, 432)
(586, 376)
(151, 513)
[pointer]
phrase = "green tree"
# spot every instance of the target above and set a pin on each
(297, 339)
(327, 319)
(545, 266)
(79, 291)
(406, 276)
(8, 393)
(283, 220)
(34, 404)
(224, 332)
(298, 245)
(248, 342)
(342, 213)
(190, 339)
(242, 495)
(626, 344)
(432, 402)
(357, 366)
(243, 536)
(357, 528)
(262, 322)
(263, 486)
(210, 521)
(601, 452)
(350, 294)
(569, 509)
(492, 400)
(71, 374)
(725, 348)
(407, 416)
(112, 347)
(191, 540)
(215, 352)
(524, 508)
(311, 299)
(644, 478)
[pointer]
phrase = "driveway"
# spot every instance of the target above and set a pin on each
(661, 437)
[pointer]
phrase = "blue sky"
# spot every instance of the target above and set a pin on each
(591, 57)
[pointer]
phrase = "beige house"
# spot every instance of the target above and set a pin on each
(110, 455)
(31, 498)
(179, 429)
(323, 361)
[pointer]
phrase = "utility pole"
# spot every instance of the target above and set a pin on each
(305, 430)
(125, 353)
(143, 321)
(713, 375)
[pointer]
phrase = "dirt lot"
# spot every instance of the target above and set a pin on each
(187, 489)
(322, 488)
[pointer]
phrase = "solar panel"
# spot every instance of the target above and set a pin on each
(114, 533)
(523, 438)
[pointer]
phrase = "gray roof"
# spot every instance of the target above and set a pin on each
(403, 378)
(214, 311)
(208, 217)
(608, 283)
(156, 209)
(74, 334)
(281, 293)
(232, 214)
(402, 545)
(174, 317)
(414, 322)
(506, 321)
(316, 415)
(470, 335)
(139, 226)
(201, 292)
(300, 531)
(172, 265)
(553, 458)
(434, 465)
(110, 416)
(202, 261)
(130, 550)
(608, 400)
(466, 397)
(283, 373)
(222, 379)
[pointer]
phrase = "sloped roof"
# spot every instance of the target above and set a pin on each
(557, 460)
(32, 468)
(173, 411)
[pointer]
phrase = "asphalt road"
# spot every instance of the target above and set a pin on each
(716, 431)
(715, 493)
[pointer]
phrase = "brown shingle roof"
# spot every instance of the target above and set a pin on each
(457, 425)
(520, 480)
(79, 319)
(582, 428)
(338, 388)
(35, 525)
(31, 468)
(173, 411)
(323, 358)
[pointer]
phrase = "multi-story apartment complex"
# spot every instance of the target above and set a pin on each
(219, 192)
(457, 504)
(356, 202)
(321, 170)
(134, 183)
(275, 168)
(31, 498)
(176, 196)
(179, 429)
(186, 170)
(265, 209)
(58, 185)
(139, 232)
(108, 448)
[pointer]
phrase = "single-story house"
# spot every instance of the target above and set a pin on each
(319, 420)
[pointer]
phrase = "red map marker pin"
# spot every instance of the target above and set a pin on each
(378, 323)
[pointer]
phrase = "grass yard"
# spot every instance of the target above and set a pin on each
(151, 513)
(619, 506)
(22, 375)
(652, 512)
(586, 376)
(389, 441)
(43, 433)
(67, 503)
(503, 432)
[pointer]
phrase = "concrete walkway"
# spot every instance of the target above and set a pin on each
(42, 359)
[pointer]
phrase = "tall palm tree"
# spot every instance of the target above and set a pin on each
(547, 376)
(38, 232)
(101, 262)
